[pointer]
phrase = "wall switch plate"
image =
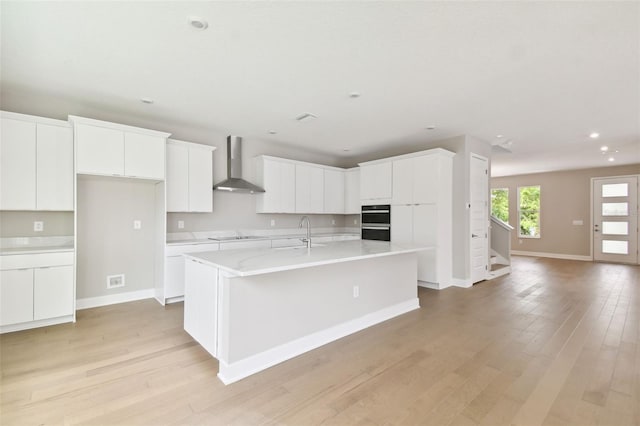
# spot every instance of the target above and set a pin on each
(181, 224)
(38, 226)
(333, 221)
(137, 224)
(578, 222)
(114, 281)
(356, 291)
(273, 222)
(355, 221)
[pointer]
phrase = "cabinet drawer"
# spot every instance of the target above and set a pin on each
(20, 261)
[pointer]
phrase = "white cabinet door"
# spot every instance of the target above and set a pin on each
(17, 165)
(352, 192)
(99, 150)
(177, 178)
(334, 191)
(200, 180)
(402, 224)
(278, 178)
(144, 156)
(425, 224)
(309, 189)
(54, 149)
(426, 172)
(53, 292)
(174, 277)
(403, 181)
(376, 181)
(201, 304)
(16, 296)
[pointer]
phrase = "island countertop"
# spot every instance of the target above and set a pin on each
(250, 262)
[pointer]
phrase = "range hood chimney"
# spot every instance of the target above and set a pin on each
(234, 182)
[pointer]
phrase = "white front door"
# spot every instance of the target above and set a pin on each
(615, 219)
(479, 218)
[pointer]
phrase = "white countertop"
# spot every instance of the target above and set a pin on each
(224, 239)
(249, 262)
(34, 245)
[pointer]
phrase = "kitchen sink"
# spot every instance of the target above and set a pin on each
(313, 245)
(243, 237)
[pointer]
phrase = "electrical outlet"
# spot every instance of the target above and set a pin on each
(333, 221)
(356, 291)
(137, 224)
(273, 222)
(578, 222)
(114, 281)
(181, 224)
(38, 226)
(355, 221)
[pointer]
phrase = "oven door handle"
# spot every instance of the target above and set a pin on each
(377, 228)
(374, 211)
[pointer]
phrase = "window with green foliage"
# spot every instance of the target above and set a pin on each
(529, 211)
(500, 203)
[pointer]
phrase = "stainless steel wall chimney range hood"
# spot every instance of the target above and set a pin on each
(234, 182)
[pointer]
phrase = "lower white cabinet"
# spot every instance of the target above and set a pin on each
(36, 290)
(174, 269)
(201, 294)
(417, 224)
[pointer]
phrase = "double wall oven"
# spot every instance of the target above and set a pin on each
(376, 222)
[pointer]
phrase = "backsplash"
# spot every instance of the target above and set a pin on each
(20, 223)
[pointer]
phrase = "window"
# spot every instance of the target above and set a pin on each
(529, 211)
(500, 203)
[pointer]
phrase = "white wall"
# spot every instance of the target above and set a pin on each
(20, 224)
(107, 244)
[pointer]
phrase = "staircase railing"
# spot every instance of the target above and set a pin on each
(501, 240)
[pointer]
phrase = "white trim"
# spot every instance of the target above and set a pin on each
(34, 119)
(426, 284)
(434, 151)
(230, 373)
(36, 324)
(191, 145)
(74, 119)
(506, 269)
(464, 283)
(552, 255)
(112, 299)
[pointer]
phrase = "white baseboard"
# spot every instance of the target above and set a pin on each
(112, 299)
(499, 272)
(464, 283)
(427, 284)
(552, 255)
(230, 373)
(35, 324)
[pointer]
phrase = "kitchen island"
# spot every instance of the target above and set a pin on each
(252, 309)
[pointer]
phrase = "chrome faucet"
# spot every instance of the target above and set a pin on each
(308, 239)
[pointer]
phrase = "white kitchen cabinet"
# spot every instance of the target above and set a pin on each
(174, 268)
(54, 167)
(189, 177)
(200, 304)
(334, 187)
(416, 224)
(104, 148)
(277, 177)
(352, 191)
(240, 244)
(36, 163)
(376, 182)
(415, 180)
(53, 292)
(309, 189)
(36, 290)
(16, 296)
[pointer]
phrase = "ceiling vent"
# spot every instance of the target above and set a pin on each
(307, 116)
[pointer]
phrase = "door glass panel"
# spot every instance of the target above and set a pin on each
(615, 247)
(615, 209)
(615, 228)
(615, 190)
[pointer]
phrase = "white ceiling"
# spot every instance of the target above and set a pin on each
(543, 74)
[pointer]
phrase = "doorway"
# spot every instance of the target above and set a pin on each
(479, 218)
(615, 219)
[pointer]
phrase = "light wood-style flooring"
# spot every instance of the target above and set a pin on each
(556, 342)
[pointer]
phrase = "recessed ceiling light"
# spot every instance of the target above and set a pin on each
(604, 148)
(146, 100)
(272, 132)
(499, 136)
(611, 159)
(594, 135)
(354, 95)
(198, 23)
(430, 127)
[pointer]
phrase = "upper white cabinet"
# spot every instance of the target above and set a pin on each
(415, 180)
(104, 148)
(352, 191)
(278, 178)
(376, 181)
(36, 163)
(189, 177)
(334, 189)
(309, 189)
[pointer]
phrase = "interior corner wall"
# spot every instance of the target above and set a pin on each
(107, 244)
(565, 196)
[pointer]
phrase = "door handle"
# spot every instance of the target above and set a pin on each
(595, 228)
(474, 236)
